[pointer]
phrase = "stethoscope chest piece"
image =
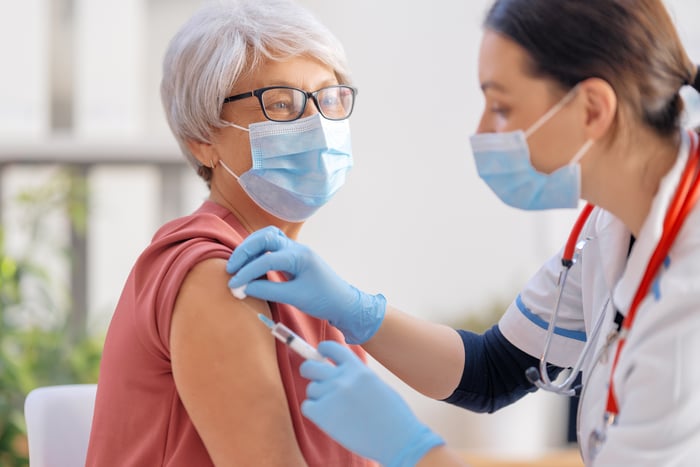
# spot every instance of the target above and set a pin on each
(599, 435)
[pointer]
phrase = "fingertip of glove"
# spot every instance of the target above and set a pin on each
(231, 263)
(305, 368)
(233, 283)
(306, 408)
(330, 348)
(336, 352)
(274, 231)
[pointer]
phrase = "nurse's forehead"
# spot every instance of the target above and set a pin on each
(502, 62)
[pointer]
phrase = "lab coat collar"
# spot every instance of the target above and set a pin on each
(651, 232)
(613, 239)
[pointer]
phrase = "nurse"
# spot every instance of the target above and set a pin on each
(581, 103)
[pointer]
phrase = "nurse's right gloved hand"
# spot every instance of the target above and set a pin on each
(356, 408)
(312, 286)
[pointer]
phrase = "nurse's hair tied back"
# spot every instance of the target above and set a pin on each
(695, 81)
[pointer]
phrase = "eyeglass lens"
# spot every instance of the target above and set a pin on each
(286, 104)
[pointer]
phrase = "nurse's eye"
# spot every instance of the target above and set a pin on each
(500, 110)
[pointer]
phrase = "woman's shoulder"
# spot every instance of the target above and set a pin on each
(209, 221)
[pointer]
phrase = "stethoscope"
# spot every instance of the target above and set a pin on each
(684, 199)
(572, 251)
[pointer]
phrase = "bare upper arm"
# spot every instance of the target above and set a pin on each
(226, 373)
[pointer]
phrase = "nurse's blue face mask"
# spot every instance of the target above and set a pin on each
(503, 162)
(297, 166)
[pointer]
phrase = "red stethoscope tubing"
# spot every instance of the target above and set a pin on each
(568, 255)
(683, 201)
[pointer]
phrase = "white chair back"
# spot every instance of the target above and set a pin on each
(58, 424)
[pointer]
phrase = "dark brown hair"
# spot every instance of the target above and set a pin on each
(631, 44)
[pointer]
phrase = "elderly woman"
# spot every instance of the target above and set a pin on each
(257, 95)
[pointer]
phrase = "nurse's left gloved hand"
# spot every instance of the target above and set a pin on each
(313, 287)
(356, 408)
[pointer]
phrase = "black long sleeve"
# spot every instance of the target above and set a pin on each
(494, 372)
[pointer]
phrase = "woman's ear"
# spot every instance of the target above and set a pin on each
(204, 152)
(601, 107)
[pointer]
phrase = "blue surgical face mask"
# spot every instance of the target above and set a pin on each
(297, 166)
(503, 162)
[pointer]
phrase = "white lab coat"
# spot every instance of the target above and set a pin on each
(657, 379)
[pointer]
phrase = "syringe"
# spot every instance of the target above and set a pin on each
(296, 343)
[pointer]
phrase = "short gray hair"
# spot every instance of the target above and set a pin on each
(225, 39)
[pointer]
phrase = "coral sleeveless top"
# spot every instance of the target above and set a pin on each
(139, 419)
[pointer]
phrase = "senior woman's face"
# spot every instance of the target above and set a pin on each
(300, 72)
(515, 100)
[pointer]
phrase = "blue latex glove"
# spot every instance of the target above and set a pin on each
(313, 286)
(357, 409)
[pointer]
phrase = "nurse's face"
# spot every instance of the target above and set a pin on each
(515, 99)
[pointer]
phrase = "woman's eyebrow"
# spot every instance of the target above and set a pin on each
(492, 85)
(295, 84)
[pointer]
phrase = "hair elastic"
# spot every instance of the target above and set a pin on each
(696, 82)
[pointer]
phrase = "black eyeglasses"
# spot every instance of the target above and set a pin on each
(285, 104)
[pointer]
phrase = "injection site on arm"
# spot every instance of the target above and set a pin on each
(292, 340)
(239, 292)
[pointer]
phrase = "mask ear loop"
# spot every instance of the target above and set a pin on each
(226, 168)
(237, 126)
(557, 107)
(581, 152)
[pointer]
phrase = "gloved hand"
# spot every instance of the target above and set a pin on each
(313, 286)
(356, 408)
